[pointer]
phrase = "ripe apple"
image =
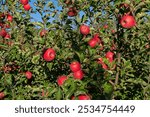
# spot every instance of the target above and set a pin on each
(24, 2)
(43, 32)
(104, 66)
(92, 42)
(84, 97)
(3, 32)
(49, 54)
(61, 80)
(84, 29)
(28, 74)
(27, 7)
(98, 39)
(1, 25)
(7, 36)
(100, 61)
(2, 95)
(9, 18)
(72, 12)
(105, 26)
(75, 66)
(110, 56)
(78, 75)
(127, 21)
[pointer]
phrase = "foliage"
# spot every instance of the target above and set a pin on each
(127, 77)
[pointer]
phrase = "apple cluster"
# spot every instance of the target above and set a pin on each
(6, 18)
(25, 4)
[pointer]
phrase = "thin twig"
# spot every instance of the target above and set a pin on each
(118, 71)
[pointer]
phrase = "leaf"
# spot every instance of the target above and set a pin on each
(58, 94)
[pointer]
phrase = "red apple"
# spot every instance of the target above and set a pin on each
(49, 54)
(105, 26)
(7, 36)
(96, 36)
(100, 61)
(2, 95)
(127, 21)
(61, 80)
(78, 75)
(72, 12)
(24, 2)
(92, 42)
(27, 7)
(104, 66)
(9, 18)
(43, 32)
(84, 97)
(1, 25)
(110, 56)
(28, 74)
(75, 66)
(84, 29)
(3, 32)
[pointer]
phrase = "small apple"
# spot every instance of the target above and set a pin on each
(61, 80)
(1, 25)
(127, 21)
(3, 32)
(98, 39)
(92, 42)
(28, 74)
(24, 2)
(9, 18)
(104, 66)
(49, 54)
(84, 29)
(2, 95)
(43, 32)
(78, 75)
(72, 12)
(75, 66)
(27, 7)
(110, 56)
(84, 97)
(7, 36)
(105, 26)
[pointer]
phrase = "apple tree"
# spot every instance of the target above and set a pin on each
(79, 49)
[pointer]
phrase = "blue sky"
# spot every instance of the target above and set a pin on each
(37, 16)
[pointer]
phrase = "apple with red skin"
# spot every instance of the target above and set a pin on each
(92, 42)
(61, 80)
(3, 32)
(24, 2)
(75, 66)
(84, 97)
(110, 56)
(43, 32)
(105, 26)
(28, 75)
(78, 75)
(127, 21)
(49, 54)
(7, 36)
(104, 66)
(9, 18)
(72, 12)
(84, 29)
(2, 95)
(27, 7)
